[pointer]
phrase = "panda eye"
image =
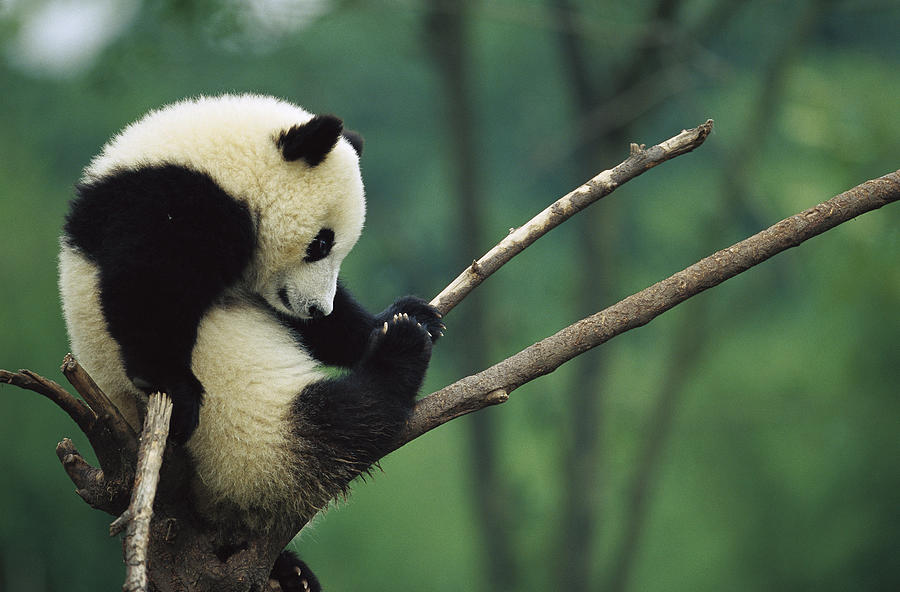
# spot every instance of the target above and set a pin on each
(320, 246)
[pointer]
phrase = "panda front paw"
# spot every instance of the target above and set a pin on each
(419, 309)
(399, 351)
(187, 395)
(402, 337)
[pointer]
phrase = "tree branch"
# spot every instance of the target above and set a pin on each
(493, 385)
(136, 519)
(80, 413)
(112, 439)
(641, 160)
(102, 407)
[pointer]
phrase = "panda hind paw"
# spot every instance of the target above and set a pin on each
(291, 574)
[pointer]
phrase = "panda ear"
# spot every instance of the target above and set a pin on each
(355, 140)
(311, 141)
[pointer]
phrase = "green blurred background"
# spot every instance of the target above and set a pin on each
(747, 440)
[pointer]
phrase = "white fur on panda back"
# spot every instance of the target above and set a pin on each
(251, 369)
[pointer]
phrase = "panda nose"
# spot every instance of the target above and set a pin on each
(315, 312)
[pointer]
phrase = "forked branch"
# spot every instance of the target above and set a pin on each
(116, 446)
(112, 439)
(494, 384)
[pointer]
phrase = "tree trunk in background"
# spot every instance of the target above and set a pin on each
(600, 253)
(447, 40)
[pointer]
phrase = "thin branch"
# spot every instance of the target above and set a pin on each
(136, 519)
(101, 405)
(90, 482)
(80, 413)
(494, 384)
(641, 160)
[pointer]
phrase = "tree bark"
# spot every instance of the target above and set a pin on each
(447, 40)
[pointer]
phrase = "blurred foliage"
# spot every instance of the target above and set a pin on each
(780, 469)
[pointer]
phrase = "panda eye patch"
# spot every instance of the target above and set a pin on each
(320, 246)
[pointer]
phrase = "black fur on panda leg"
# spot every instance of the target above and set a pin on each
(293, 575)
(347, 423)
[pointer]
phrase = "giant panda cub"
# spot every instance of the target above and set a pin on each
(200, 258)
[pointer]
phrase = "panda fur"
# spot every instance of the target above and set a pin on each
(200, 257)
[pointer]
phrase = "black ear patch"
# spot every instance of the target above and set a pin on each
(355, 140)
(311, 141)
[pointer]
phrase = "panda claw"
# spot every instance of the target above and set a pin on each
(385, 328)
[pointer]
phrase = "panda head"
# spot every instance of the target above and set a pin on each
(298, 174)
(303, 282)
